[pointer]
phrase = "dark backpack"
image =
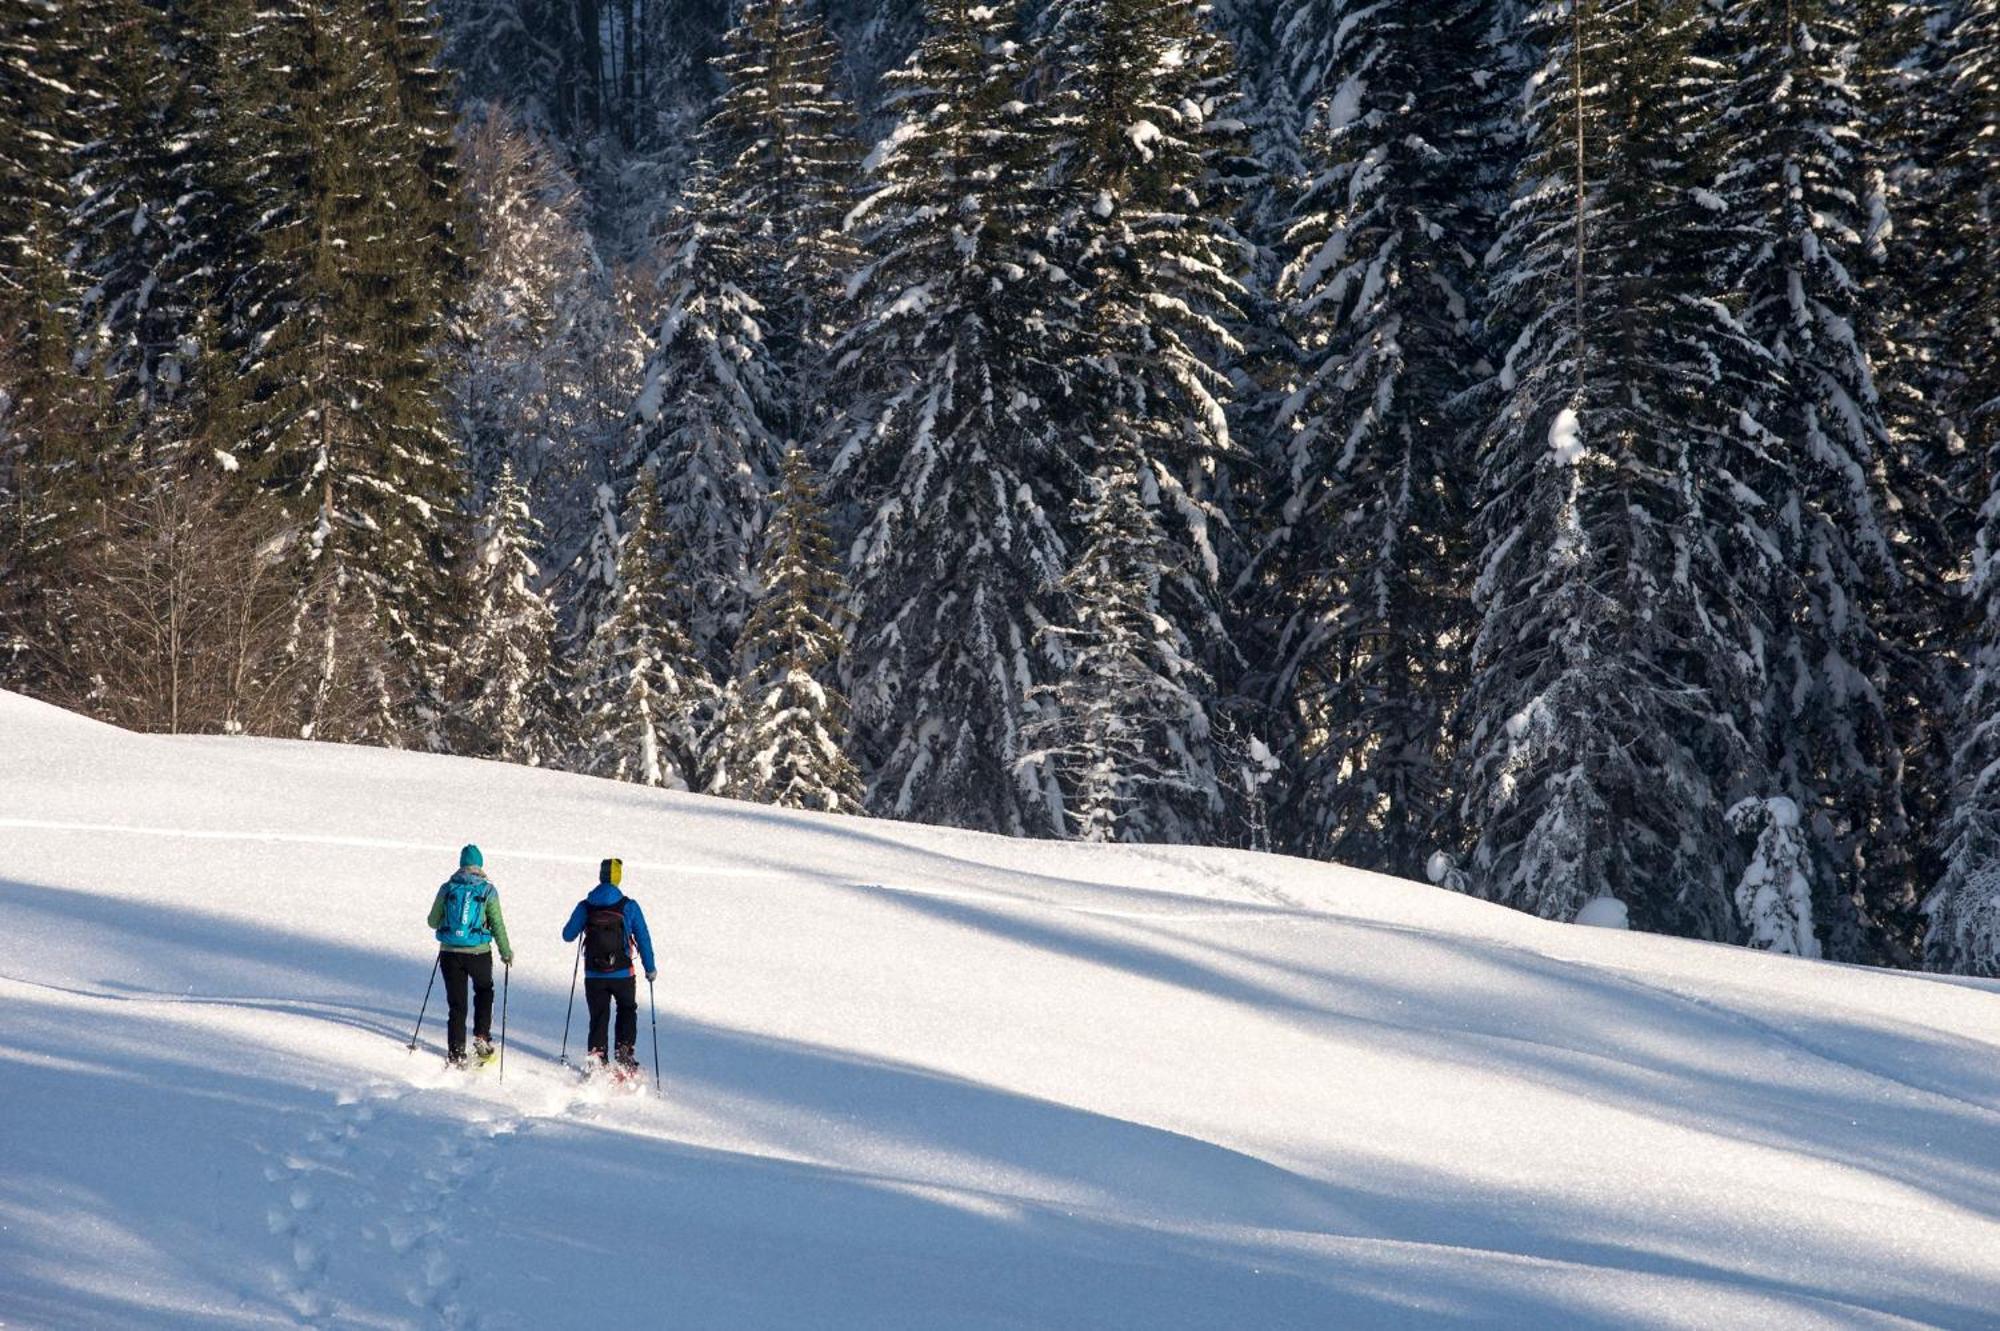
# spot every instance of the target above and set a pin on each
(605, 945)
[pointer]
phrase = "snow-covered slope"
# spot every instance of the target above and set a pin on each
(918, 1079)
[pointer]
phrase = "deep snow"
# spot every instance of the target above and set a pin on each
(918, 1078)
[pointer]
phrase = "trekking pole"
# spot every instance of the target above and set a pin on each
(570, 1011)
(506, 974)
(654, 1004)
(439, 961)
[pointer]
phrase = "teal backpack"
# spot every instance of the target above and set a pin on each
(465, 914)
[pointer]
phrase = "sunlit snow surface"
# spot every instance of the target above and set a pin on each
(918, 1079)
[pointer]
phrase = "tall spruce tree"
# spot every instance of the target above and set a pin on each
(56, 437)
(1795, 177)
(339, 314)
(646, 702)
(591, 584)
(152, 216)
(1902, 104)
(1365, 555)
(408, 36)
(785, 145)
(710, 415)
(1624, 566)
(783, 734)
(1927, 472)
(1128, 732)
(1963, 908)
(43, 54)
(1969, 248)
(963, 346)
(508, 650)
(1144, 93)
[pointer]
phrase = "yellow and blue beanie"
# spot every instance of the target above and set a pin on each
(470, 858)
(611, 871)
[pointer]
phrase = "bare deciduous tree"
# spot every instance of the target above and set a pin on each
(188, 604)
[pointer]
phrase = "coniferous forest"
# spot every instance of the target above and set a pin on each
(1544, 448)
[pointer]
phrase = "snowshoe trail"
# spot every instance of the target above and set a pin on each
(439, 1136)
(432, 1248)
(316, 1186)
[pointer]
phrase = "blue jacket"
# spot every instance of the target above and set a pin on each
(604, 894)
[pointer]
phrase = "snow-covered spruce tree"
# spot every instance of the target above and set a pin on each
(1961, 296)
(1366, 554)
(1966, 250)
(508, 652)
(1963, 909)
(1925, 468)
(590, 583)
(1774, 897)
(338, 315)
(153, 222)
(645, 701)
(1261, 186)
(784, 726)
(1142, 98)
(1792, 178)
(1896, 73)
(785, 146)
(43, 57)
(958, 453)
(536, 338)
(1616, 667)
(709, 415)
(409, 38)
(56, 434)
(1129, 730)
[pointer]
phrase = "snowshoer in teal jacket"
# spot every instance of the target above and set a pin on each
(466, 917)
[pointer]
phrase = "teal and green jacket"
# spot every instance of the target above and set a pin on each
(496, 924)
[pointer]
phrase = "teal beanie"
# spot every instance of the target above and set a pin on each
(470, 858)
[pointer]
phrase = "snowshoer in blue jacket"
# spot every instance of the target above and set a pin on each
(611, 926)
(465, 914)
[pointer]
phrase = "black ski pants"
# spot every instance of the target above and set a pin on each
(462, 970)
(598, 994)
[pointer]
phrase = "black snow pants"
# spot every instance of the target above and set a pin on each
(463, 969)
(598, 994)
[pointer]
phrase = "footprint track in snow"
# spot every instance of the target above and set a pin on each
(323, 1198)
(297, 1218)
(458, 1164)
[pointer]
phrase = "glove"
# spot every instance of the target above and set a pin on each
(652, 976)
(507, 960)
